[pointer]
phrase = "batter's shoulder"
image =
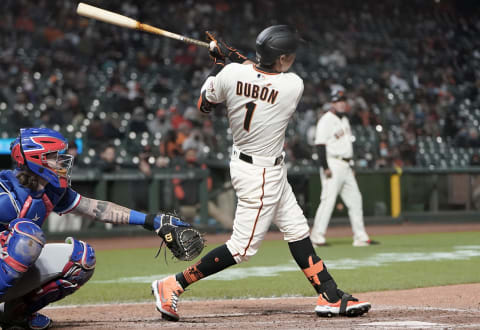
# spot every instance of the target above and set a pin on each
(295, 78)
(234, 67)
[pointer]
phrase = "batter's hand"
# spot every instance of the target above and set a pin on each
(328, 173)
(219, 50)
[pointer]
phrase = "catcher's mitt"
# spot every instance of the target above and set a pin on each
(185, 242)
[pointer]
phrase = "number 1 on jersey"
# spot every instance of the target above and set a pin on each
(248, 116)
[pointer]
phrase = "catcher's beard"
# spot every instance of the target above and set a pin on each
(214, 261)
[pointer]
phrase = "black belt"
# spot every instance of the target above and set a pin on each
(249, 159)
(344, 159)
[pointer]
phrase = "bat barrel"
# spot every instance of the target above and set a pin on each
(105, 16)
(124, 21)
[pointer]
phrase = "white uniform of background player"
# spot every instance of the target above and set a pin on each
(260, 99)
(333, 133)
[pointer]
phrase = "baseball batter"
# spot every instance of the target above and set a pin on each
(334, 142)
(260, 100)
(34, 274)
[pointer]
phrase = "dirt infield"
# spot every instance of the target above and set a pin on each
(456, 306)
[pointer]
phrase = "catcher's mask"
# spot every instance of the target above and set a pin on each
(41, 150)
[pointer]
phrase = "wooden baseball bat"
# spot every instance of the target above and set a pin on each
(113, 18)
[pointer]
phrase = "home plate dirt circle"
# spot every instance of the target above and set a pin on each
(456, 306)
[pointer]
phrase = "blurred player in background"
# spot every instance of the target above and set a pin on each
(34, 274)
(333, 139)
(260, 98)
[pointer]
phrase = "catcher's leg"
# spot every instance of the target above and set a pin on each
(21, 244)
(331, 301)
(60, 270)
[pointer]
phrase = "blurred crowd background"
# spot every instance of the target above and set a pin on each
(411, 70)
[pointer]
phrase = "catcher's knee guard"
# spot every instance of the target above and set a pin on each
(77, 271)
(21, 245)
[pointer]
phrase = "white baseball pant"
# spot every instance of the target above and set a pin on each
(341, 182)
(264, 196)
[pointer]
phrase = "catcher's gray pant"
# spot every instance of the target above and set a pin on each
(48, 267)
(59, 271)
(342, 182)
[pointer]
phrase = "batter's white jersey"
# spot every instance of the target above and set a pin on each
(259, 104)
(336, 134)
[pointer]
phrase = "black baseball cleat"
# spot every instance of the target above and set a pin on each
(346, 306)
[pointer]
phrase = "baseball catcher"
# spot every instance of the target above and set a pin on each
(34, 274)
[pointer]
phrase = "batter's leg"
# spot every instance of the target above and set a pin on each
(330, 188)
(292, 223)
(351, 196)
(331, 300)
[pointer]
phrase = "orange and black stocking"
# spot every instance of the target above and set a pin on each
(214, 261)
(313, 268)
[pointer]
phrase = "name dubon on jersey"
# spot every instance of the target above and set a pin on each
(259, 105)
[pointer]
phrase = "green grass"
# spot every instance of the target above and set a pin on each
(116, 264)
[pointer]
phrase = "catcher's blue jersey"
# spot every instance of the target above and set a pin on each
(16, 201)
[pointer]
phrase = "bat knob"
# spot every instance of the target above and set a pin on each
(212, 45)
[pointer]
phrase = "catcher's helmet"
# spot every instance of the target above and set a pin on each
(274, 41)
(337, 95)
(33, 149)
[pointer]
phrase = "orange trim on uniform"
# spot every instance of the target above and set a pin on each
(258, 214)
(312, 272)
(192, 274)
(199, 102)
(264, 72)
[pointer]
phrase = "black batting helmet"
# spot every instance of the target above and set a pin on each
(337, 95)
(274, 41)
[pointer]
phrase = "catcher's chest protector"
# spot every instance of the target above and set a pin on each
(17, 201)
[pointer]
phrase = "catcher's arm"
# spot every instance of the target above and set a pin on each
(105, 211)
(185, 242)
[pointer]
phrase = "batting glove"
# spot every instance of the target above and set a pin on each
(219, 50)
